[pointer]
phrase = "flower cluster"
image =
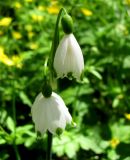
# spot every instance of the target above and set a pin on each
(49, 111)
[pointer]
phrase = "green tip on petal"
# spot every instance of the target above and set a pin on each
(73, 124)
(82, 76)
(59, 131)
(39, 136)
(67, 24)
(70, 75)
(46, 90)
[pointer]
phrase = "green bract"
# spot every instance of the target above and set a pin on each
(67, 24)
(46, 90)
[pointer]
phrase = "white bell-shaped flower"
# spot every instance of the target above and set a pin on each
(50, 113)
(68, 58)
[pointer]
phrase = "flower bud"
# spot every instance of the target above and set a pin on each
(46, 90)
(67, 24)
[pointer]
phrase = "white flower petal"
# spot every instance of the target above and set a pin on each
(77, 61)
(58, 116)
(59, 56)
(38, 112)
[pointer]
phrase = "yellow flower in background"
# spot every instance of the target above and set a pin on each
(28, 27)
(14, 61)
(30, 34)
(120, 96)
(127, 116)
(4, 58)
(41, 8)
(29, 1)
(17, 61)
(1, 50)
(122, 28)
(33, 46)
(114, 142)
(127, 2)
(5, 21)
(1, 33)
(54, 2)
(37, 18)
(126, 32)
(86, 12)
(16, 35)
(17, 5)
(53, 9)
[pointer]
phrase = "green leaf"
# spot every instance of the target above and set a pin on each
(116, 102)
(84, 142)
(2, 141)
(4, 155)
(29, 141)
(67, 144)
(24, 133)
(71, 148)
(128, 158)
(25, 98)
(96, 74)
(91, 69)
(10, 124)
(112, 155)
(126, 62)
(121, 131)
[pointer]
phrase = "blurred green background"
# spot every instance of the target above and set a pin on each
(100, 105)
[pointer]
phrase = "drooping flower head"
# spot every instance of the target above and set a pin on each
(50, 113)
(68, 58)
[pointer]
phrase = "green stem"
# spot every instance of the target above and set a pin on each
(14, 117)
(55, 41)
(17, 153)
(49, 147)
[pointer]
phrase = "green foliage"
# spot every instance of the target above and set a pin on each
(99, 104)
